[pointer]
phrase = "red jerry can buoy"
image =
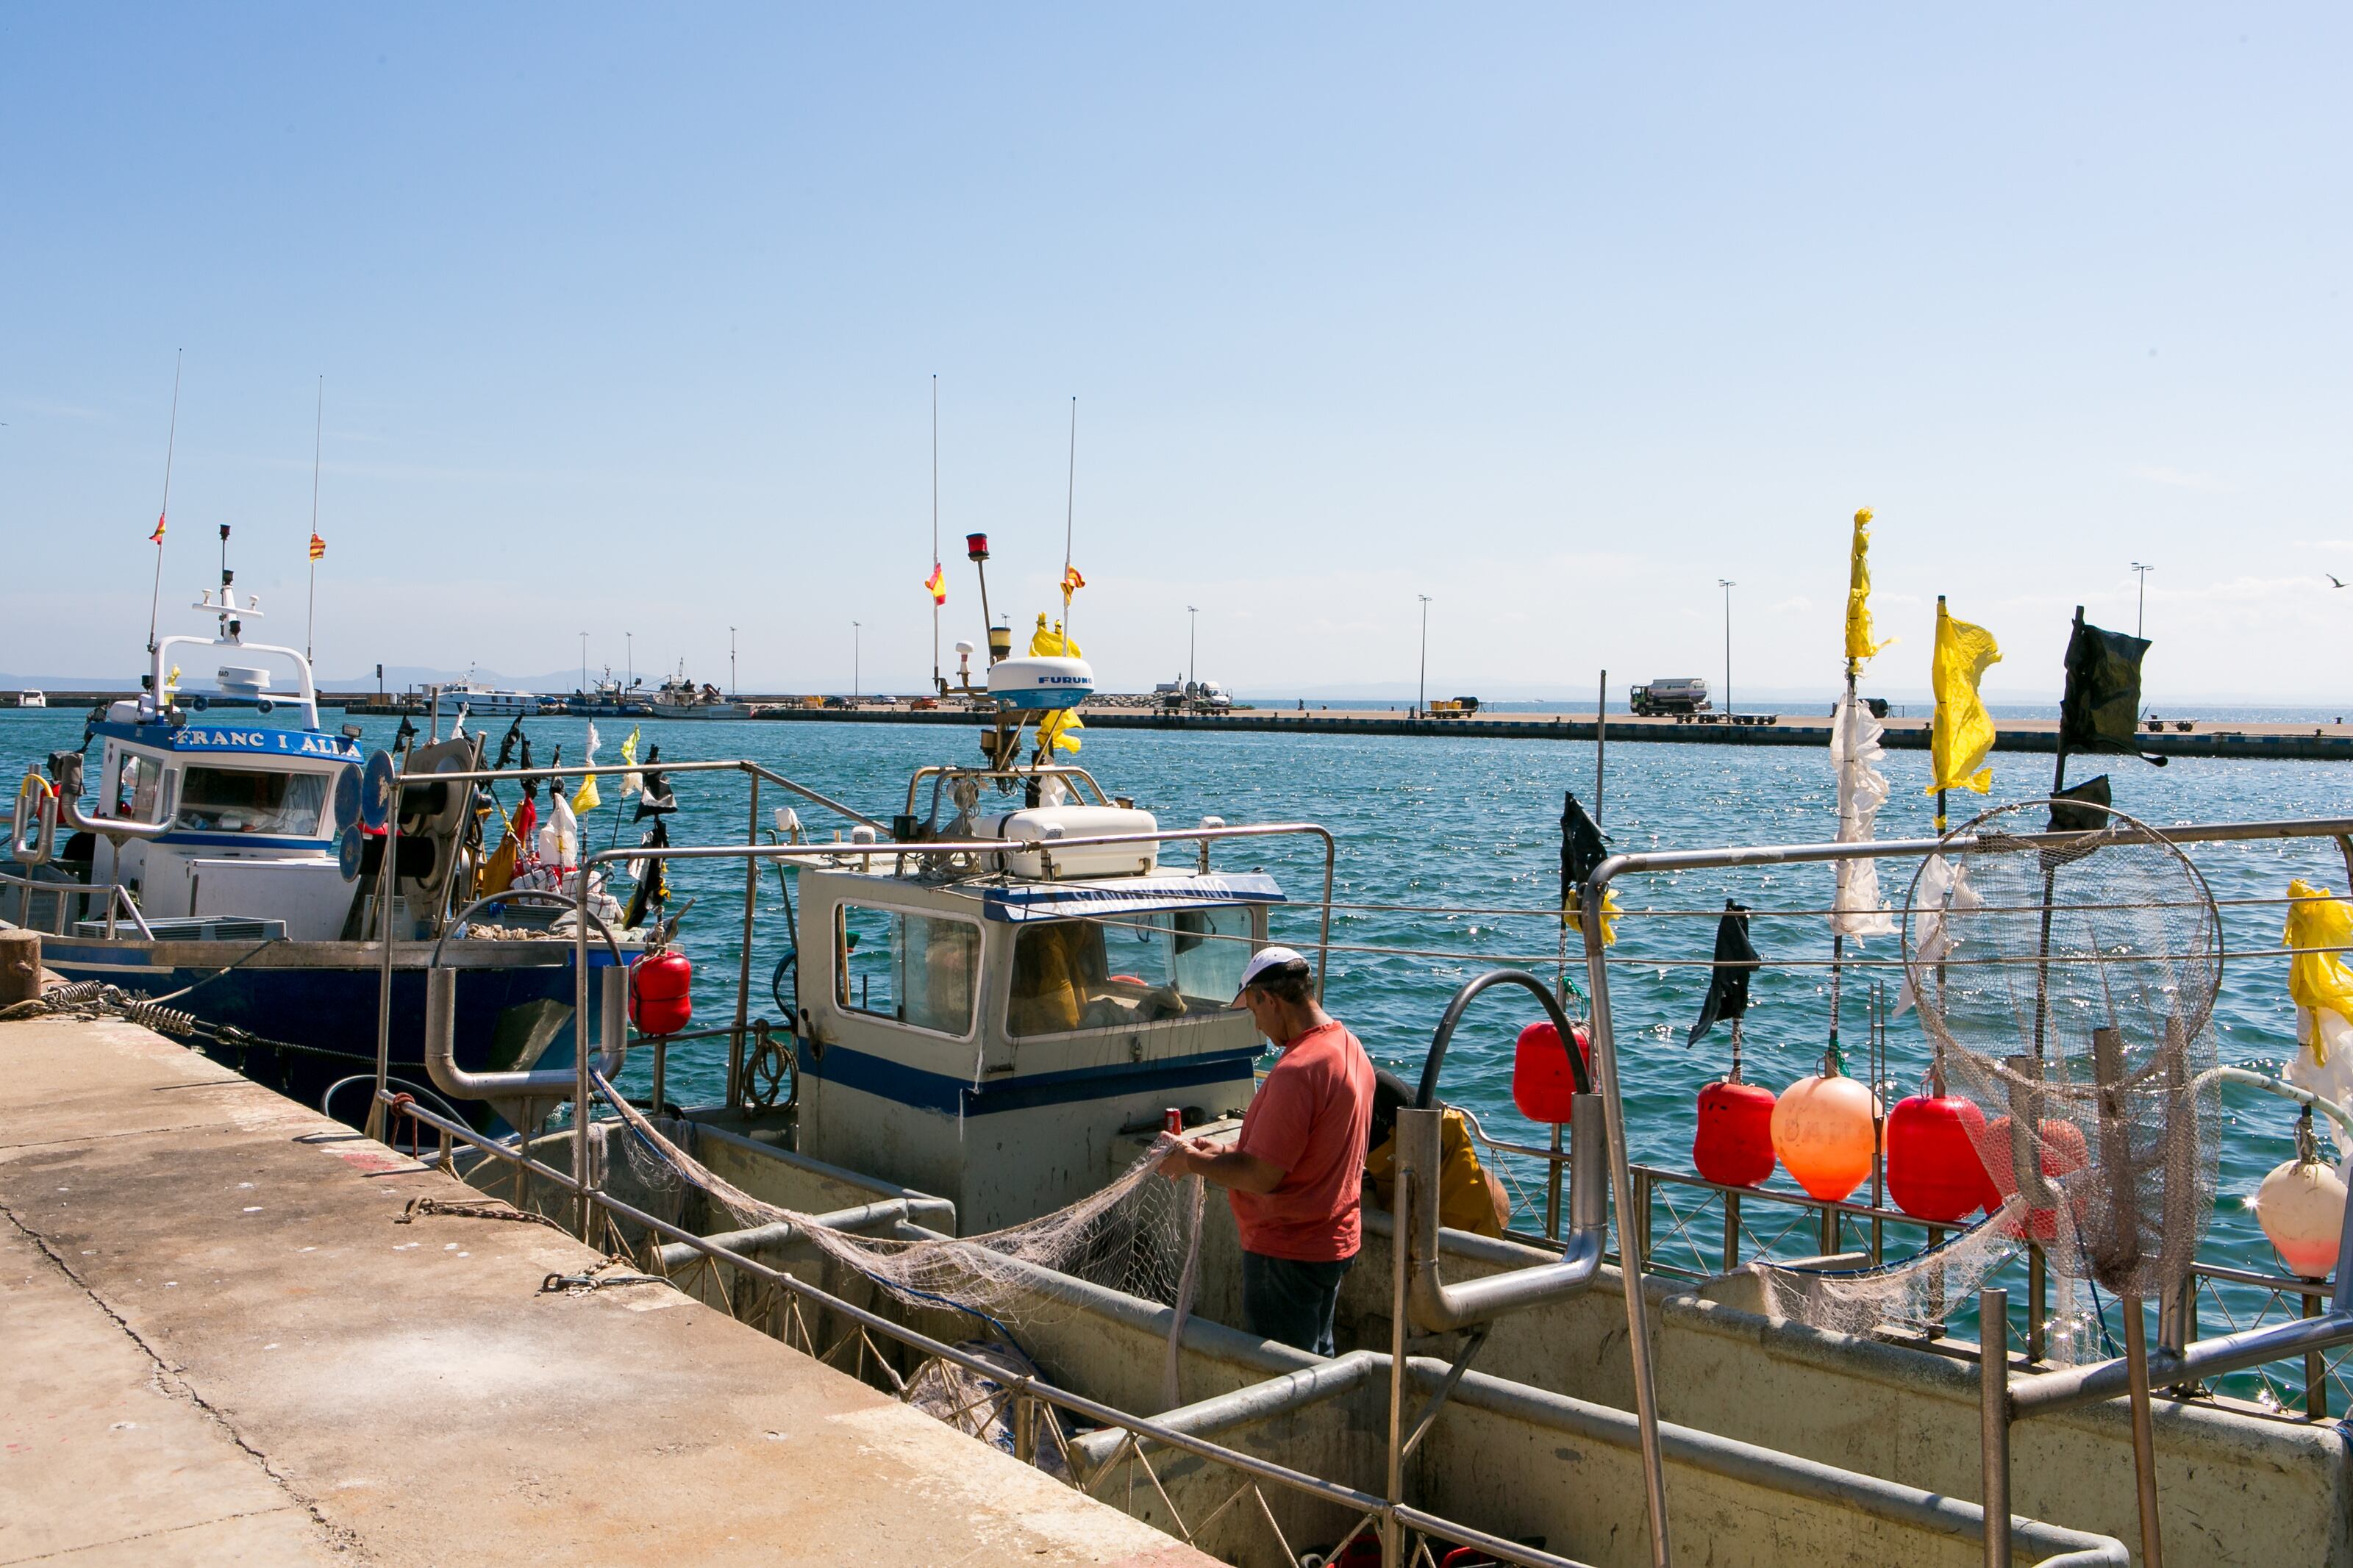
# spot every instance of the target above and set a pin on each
(1543, 1087)
(1732, 1145)
(2063, 1153)
(660, 992)
(1934, 1170)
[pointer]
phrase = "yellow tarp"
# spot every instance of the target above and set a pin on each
(1054, 730)
(1573, 918)
(1466, 1198)
(1964, 730)
(2319, 980)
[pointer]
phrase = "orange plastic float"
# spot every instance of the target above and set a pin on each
(1823, 1132)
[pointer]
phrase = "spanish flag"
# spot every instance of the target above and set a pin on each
(157, 537)
(1964, 730)
(938, 583)
(318, 548)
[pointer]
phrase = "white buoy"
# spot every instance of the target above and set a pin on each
(2301, 1207)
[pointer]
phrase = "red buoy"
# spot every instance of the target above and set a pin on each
(2063, 1153)
(1541, 1084)
(1933, 1169)
(660, 992)
(1733, 1142)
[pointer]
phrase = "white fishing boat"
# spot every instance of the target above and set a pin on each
(932, 1167)
(680, 698)
(486, 702)
(31, 699)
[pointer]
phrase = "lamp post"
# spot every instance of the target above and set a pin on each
(1727, 584)
(730, 664)
(853, 660)
(584, 664)
(2141, 571)
(1192, 642)
(1421, 703)
(630, 655)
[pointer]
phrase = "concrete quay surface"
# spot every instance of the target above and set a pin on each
(219, 1347)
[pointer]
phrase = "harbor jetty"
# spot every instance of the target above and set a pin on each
(225, 1346)
(2200, 738)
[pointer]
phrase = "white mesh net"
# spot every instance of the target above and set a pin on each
(1135, 1236)
(2066, 987)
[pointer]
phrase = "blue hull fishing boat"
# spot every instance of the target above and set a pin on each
(227, 864)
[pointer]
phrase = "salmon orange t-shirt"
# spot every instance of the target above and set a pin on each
(1311, 1117)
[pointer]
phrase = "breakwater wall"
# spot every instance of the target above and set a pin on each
(2299, 742)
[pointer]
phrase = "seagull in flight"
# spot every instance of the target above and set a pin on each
(2333, 580)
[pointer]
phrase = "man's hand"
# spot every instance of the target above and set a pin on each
(1217, 1163)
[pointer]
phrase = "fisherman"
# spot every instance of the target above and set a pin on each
(1295, 1172)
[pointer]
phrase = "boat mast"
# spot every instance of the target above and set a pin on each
(1070, 512)
(939, 687)
(318, 437)
(170, 440)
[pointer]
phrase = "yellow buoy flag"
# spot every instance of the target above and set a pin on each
(1859, 645)
(1964, 730)
(587, 799)
(2317, 979)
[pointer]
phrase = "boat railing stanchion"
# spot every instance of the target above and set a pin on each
(387, 883)
(1401, 1233)
(743, 969)
(1993, 1420)
(1731, 1230)
(1552, 1189)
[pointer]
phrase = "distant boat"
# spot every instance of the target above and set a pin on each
(32, 700)
(488, 701)
(608, 699)
(680, 698)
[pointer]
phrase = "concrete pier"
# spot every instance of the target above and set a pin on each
(220, 1348)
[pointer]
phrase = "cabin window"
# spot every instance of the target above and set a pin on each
(920, 969)
(1128, 969)
(139, 787)
(252, 800)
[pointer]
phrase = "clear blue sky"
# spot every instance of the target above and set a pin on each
(629, 318)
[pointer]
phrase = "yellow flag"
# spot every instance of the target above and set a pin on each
(1572, 918)
(1859, 645)
(2319, 980)
(1053, 643)
(1964, 730)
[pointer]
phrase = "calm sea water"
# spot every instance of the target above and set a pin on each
(1473, 825)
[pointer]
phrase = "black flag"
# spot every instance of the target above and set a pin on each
(1735, 961)
(653, 886)
(2069, 816)
(2100, 712)
(1581, 848)
(507, 745)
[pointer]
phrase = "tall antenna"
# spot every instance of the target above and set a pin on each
(170, 440)
(937, 685)
(1070, 512)
(318, 440)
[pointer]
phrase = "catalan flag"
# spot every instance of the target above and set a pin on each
(157, 537)
(1072, 580)
(938, 583)
(318, 548)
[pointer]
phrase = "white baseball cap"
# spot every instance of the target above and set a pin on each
(1264, 959)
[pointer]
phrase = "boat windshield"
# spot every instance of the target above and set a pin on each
(252, 800)
(1128, 969)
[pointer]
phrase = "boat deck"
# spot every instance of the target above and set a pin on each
(221, 1348)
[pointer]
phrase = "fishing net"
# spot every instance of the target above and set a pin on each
(2066, 984)
(1139, 1236)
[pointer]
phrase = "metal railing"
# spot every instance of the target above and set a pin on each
(118, 904)
(2051, 1391)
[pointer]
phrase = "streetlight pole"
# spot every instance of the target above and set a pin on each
(1192, 642)
(853, 660)
(2141, 571)
(584, 664)
(1727, 584)
(630, 655)
(1421, 703)
(731, 663)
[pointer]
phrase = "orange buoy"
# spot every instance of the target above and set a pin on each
(1823, 1132)
(1934, 1171)
(1543, 1086)
(2063, 1153)
(1732, 1143)
(2301, 1207)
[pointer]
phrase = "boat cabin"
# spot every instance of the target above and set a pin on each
(1010, 1036)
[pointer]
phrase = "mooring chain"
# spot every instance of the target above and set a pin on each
(459, 1209)
(596, 1278)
